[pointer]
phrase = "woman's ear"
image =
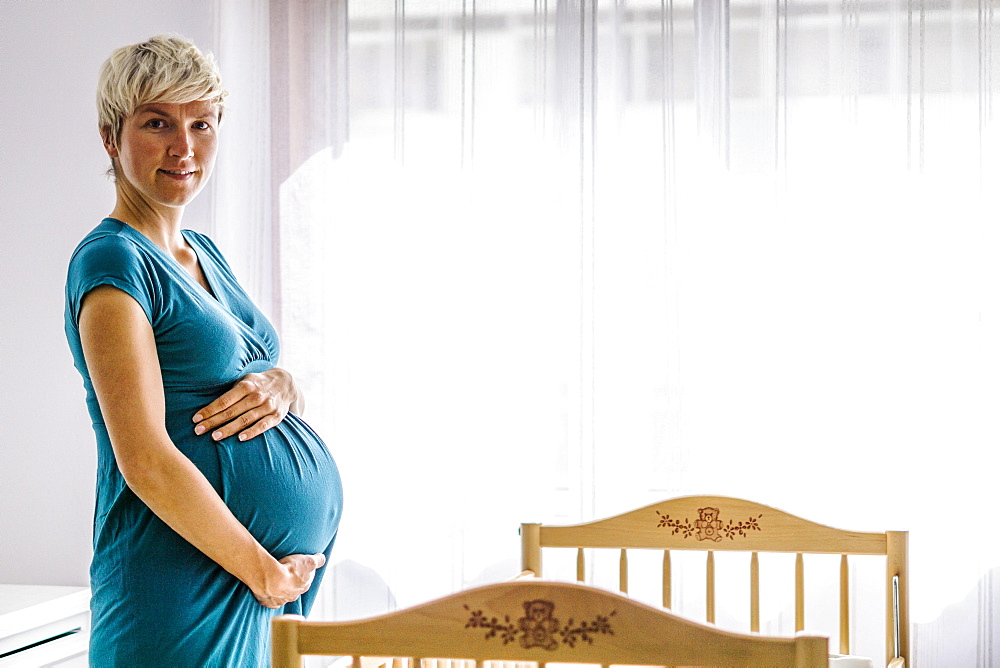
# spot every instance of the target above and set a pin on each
(109, 143)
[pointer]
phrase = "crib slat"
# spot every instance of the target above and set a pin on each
(800, 602)
(710, 587)
(845, 612)
(754, 593)
(668, 598)
(623, 573)
(580, 565)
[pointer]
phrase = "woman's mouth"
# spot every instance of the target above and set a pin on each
(179, 174)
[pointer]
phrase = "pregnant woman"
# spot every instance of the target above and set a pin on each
(217, 505)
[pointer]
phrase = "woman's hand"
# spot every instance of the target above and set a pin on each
(256, 403)
(293, 578)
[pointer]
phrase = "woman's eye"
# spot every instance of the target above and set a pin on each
(202, 125)
(156, 123)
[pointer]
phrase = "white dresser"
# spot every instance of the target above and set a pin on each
(43, 626)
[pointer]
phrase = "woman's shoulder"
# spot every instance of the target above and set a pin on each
(111, 249)
(109, 238)
(112, 254)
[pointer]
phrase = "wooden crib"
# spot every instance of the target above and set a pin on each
(715, 523)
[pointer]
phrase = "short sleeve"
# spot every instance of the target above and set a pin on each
(109, 260)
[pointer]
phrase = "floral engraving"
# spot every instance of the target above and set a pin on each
(585, 631)
(708, 526)
(539, 627)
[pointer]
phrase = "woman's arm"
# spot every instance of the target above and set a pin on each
(121, 357)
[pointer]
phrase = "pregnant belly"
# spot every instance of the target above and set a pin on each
(283, 485)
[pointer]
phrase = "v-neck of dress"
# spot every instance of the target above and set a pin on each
(211, 291)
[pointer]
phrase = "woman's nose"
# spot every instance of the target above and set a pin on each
(182, 146)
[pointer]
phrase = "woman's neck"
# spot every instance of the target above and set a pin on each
(160, 225)
(165, 232)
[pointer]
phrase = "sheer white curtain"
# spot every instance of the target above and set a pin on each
(546, 260)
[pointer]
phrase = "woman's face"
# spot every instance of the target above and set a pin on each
(166, 151)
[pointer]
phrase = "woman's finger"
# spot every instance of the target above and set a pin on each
(258, 428)
(225, 401)
(308, 563)
(242, 416)
(248, 425)
(244, 387)
(227, 416)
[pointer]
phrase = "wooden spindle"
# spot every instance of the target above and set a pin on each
(668, 598)
(623, 572)
(580, 565)
(845, 607)
(531, 549)
(710, 587)
(800, 600)
(754, 593)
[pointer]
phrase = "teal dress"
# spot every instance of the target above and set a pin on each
(156, 600)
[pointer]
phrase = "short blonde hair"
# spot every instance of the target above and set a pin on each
(164, 68)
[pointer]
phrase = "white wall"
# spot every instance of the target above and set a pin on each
(52, 191)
